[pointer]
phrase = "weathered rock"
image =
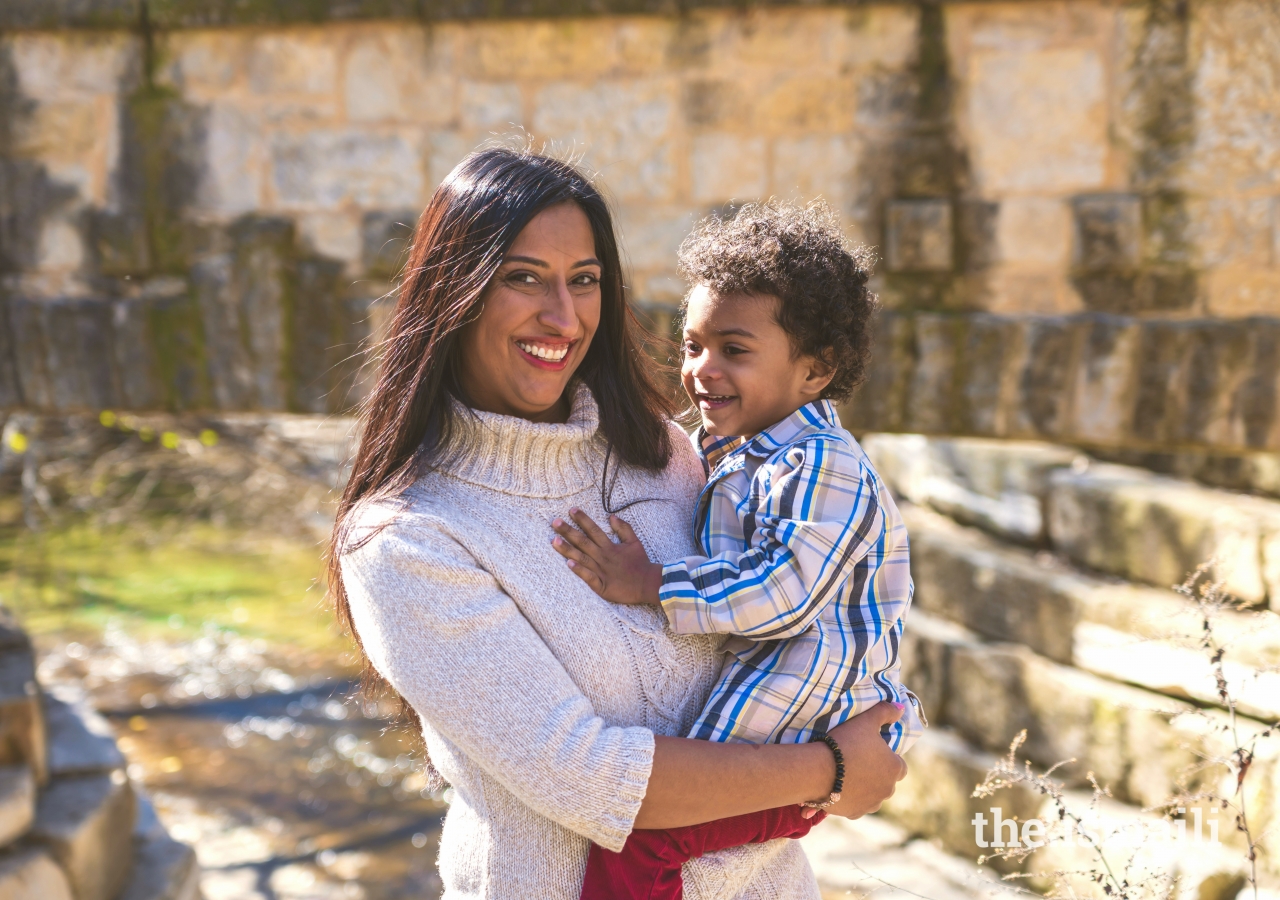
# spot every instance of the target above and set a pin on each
(12, 637)
(1000, 486)
(997, 590)
(163, 869)
(29, 873)
(27, 326)
(22, 729)
(935, 798)
(87, 822)
(80, 741)
(385, 237)
(17, 804)
(80, 347)
(1154, 529)
(919, 235)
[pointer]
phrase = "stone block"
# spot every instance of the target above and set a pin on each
(322, 169)
(933, 383)
(293, 62)
(728, 167)
(177, 341)
(1108, 232)
(135, 355)
(29, 873)
(1034, 231)
(81, 355)
(80, 742)
(54, 14)
(880, 402)
(163, 869)
(623, 129)
(87, 823)
(999, 486)
(936, 799)
(320, 358)
(17, 804)
(1175, 669)
(1154, 529)
(27, 327)
(12, 637)
(1043, 398)
(918, 235)
(1255, 402)
(385, 238)
(996, 590)
(22, 728)
(1041, 114)
(987, 371)
(1105, 379)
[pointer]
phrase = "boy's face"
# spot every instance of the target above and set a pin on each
(739, 367)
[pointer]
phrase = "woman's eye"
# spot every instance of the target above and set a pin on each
(733, 350)
(523, 278)
(587, 279)
(691, 349)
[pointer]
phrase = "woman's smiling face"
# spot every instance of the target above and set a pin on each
(537, 319)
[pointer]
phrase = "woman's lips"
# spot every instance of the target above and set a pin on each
(543, 355)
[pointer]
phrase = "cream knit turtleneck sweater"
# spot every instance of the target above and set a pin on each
(539, 700)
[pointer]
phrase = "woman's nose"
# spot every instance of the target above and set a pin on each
(558, 310)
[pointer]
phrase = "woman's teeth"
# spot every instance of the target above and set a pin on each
(550, 354)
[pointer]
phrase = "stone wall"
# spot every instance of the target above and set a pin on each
(72, 826)
(200, 203)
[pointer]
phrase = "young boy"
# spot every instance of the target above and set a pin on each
(805, 559)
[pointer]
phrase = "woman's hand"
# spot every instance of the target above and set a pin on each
(871, 770)
(621, 572)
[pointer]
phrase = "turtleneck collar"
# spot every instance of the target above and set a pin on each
(531, 459)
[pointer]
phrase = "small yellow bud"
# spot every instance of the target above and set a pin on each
(107, 418)
(147, 434)
(18, 442)
(169, 440)
(208, 437)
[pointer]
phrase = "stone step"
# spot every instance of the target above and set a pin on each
(163, 869)
(936, 800)
(999, 486)
(1010, 594)
(17, 803)
(80, 740)
(22, 730)
(87, 822)
(1120, 520)
(1155, 529)
(29, 873)
(873, 857)
(1139, 744)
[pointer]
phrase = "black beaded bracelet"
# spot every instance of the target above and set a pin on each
(838, 787)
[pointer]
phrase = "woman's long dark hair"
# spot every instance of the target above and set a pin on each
(408, 420)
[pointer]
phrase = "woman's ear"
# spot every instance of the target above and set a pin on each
(819, 370)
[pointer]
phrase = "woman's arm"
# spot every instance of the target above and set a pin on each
(442, 631)
(698, 781)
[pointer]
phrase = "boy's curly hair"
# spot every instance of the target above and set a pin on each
(801, 256)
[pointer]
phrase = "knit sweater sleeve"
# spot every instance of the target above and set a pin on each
(444, 634)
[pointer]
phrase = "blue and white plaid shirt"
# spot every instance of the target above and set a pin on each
(807, 566)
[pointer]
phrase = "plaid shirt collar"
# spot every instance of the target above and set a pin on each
(819, 415)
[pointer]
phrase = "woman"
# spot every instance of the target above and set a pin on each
(513, 387)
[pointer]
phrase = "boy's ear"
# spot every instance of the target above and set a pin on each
(820, 371)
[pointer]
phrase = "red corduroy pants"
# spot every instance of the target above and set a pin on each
(648, 867)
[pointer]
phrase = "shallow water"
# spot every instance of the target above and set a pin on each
(286, 788)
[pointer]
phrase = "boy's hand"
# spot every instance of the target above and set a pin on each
(620, 573)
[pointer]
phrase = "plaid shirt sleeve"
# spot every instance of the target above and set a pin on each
(814, 521)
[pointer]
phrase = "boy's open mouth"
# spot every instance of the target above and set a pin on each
(715, 401)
